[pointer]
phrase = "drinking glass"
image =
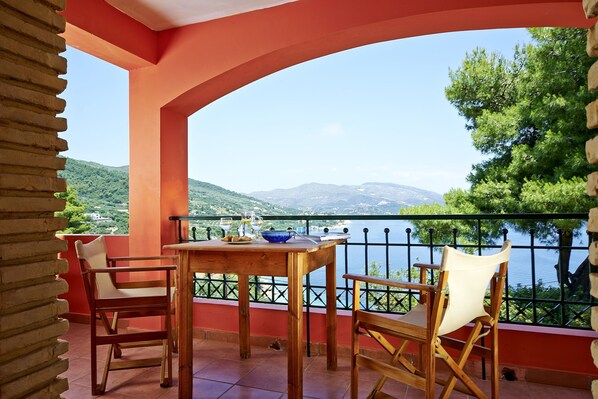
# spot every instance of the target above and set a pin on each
(226, 224)
(256, 225)
(245, 222)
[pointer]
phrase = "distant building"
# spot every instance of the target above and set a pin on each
(96, 217)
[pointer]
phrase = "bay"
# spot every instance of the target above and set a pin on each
(354, 258)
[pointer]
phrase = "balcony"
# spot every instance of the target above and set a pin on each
(567, 366)
(169, 82)
(219, 373)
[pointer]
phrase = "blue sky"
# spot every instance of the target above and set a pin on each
(372, 114)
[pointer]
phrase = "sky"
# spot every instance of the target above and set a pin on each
(377, 113)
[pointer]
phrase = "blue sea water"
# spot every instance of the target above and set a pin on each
(520, 270)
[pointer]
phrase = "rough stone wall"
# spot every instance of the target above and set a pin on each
(591, 10)
(30, 65)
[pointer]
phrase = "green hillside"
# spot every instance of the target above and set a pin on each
(105, 191)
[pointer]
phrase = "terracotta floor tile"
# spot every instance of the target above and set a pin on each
(145, 385)
(269, 377)
(392, 388)
(206, 389)
(541, 391)
(225, 370)
(78, 368)
(220, 373)
(325, 385)
(77, 391)
(199, 362)
(241, 392)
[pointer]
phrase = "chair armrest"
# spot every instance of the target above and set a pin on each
(426, 266)
(115, 259)
(142, 284)
(391, 283)
(121, 269)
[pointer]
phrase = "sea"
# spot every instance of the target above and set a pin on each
(520, 264)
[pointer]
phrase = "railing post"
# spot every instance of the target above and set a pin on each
(479, 232)
(180, 230)
(367, 286)
(431, 243)
(533, 264)
(506, 291)
(560, 275)
(409, 263)
(387, 271)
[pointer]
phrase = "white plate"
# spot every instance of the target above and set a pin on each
(238, 242)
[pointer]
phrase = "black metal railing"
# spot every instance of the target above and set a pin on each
(538, 291)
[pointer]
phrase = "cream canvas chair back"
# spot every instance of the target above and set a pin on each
(468, 280)
(93, 255)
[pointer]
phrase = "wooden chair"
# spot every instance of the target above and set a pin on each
(110, 299)
(457, 298)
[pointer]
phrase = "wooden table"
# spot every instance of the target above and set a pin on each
(293, 260)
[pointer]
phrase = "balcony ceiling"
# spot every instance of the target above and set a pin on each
(160, 15)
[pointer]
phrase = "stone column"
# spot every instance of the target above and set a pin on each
(591, 10)
(30, 65)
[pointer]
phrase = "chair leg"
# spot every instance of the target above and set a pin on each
(354, 368)
(494, 377)
(429, 364)
(170, 350)
(397, 357)
(164, 382)
(117, 349)
(102, 385)
(112, 328)
(175, 335)
(167, 349)
(94, 359)
(457, 367)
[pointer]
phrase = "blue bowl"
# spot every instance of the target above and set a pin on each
(277, 236)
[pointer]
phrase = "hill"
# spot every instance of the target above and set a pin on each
(105, 191)
(364, 199)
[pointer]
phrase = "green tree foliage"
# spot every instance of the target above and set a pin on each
(526, 114)
(78, 222)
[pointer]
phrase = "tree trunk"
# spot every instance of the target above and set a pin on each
(562, 267)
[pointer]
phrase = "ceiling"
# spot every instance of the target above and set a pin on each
(160, 15)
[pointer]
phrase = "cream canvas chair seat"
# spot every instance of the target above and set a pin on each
(458, 298)
(109, 298)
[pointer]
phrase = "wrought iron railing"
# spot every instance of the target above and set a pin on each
(537, 292)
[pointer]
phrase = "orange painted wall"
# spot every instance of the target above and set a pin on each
(523, 346)
(99, 29)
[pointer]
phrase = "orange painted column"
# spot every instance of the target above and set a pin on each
(158, 178)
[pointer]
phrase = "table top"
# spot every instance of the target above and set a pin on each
(292, 245)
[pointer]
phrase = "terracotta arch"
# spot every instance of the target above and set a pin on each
(176, 72)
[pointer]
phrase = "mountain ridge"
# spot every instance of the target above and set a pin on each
(366, 198)
(105, 191)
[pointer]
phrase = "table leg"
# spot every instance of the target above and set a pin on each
(185, 316)
(295, 352)
(244, 335)
(331, 359)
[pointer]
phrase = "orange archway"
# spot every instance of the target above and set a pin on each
(176, 72)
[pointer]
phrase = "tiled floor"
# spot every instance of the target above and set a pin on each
(219, 373)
